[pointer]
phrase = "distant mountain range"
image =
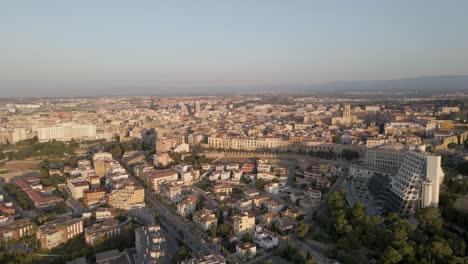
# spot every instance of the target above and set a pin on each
(443, 83)
(421, 86)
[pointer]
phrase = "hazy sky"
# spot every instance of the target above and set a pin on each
(99, 46)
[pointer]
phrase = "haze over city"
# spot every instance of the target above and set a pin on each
(63, 48)
(227, 132)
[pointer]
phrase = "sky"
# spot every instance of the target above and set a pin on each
(110, 46)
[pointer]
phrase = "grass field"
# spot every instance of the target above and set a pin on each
(18, 167)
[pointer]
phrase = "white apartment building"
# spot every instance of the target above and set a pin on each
(417, 182)
(66, 132)
(385, 157)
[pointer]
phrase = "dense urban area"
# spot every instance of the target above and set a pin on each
(270, 178)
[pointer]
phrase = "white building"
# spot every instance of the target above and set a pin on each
(417, 182)
(66, 132)
(266, 241)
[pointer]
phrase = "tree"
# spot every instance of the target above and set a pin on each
(116, 151)
(182, 254)
(302, 229)
(335, 202)
(350, 154)
(439, 250)
(452, 145)
(342, 226)
(336, 139)
(359, 212)
(391, 256)
(429, 219)
(213, 231)
(247, 237)
(260, 183)
(223, 230)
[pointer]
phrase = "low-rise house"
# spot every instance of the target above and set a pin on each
(206, 166)
(236, 175)
(258, 200)
(269, 218)
(246, 250)
(264, 167)
(267, 176)
(222, 188)
(248, 167)
(296, 196)
(285, 224)
(205, 219)
(104, 213)
(220, 167)
(243, 205)
(274, 206)
(266, 241)
(232, 166)
(293, 213)
(272, 188)
(187, 206)
(313, 195)
(250, 192)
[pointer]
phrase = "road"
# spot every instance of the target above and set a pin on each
(72, 201)
(179, 228)
(173, 223)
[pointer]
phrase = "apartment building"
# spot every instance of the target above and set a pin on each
(150, 244)
(94, 196)
(385, 157)
(77, 186)
(417, 183)
(130, 197)
(17, 229)
(101, 231)
(243, 223)
(102, 162)
(56, 232)
(104, 213)
(158, 177)
(66, 132)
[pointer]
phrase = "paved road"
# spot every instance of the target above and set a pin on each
(173, 224)
(73, 202)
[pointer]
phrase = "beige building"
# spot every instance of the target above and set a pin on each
(59, 231)
(131, 196)
(243, 223)
(103, 230)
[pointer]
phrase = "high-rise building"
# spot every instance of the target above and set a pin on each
(416, 184)
(385, 157)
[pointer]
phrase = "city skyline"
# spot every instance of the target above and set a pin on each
(92, 49)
